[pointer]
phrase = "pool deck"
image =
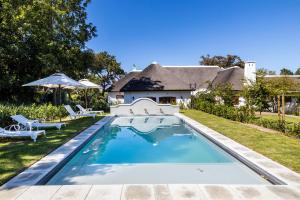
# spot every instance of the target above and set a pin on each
(23, 186)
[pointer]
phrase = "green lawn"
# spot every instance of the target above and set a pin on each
(17, 155)
(275, 117)
(280, 148)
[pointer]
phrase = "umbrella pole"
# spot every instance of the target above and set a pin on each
(86, 106)
(59, 89)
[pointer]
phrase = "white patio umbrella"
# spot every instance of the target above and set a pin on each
(57, 80)
(88, 85)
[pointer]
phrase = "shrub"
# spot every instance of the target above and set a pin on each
(241, 114)
(33, 111)
(282, 126)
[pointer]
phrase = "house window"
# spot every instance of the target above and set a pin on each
(171, 100)
(119, 97)
(153, 98)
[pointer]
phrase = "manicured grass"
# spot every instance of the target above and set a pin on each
(17, 155)
(280, 148)
(275, 117)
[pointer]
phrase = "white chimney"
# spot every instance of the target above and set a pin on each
(250, 71)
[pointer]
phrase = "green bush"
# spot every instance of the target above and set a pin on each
(241, 114)
(282, 126)
(33, 111)
(245, 115)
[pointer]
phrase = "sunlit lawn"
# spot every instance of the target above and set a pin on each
(280, 148)
(275, 117)
(17, 154)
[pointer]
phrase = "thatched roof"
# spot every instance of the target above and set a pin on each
(199, 77)
(117, 86)
(232, 75)
(156, 78)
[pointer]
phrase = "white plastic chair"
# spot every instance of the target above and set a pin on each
(27, 123)
(74, 115)
(88, 110)
(19, 133)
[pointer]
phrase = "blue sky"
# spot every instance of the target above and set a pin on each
(178, 32)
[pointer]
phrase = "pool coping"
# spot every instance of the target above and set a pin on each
(24, 184)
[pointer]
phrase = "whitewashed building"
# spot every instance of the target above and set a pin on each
(176, 84)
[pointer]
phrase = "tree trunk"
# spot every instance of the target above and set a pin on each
(283, 107)
(278, 107)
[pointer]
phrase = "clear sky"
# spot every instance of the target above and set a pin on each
(178, 32)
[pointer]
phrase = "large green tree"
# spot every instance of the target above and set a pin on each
(285, 71)
(38, 38)
(222, 61)
(264, 71)
(297, 71)
(107, 69)
(257, 94)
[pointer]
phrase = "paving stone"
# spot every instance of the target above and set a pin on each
(182, 192)
(253, 192)
(218, 192)
(12, 193)
(285, 192)
(291, 177)
(72, 192)
(43, 165)
(105, 192)
(138, 192)
(268, 164)
(162, 192)
(25, 178)
(39, 192)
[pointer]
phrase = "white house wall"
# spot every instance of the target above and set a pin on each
(112, 98)
(181, 96)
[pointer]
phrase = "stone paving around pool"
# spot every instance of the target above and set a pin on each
(153, 192)
(23, 186)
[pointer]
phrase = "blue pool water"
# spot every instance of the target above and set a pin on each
(139, 149)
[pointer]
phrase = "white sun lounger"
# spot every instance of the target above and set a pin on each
(89, 110)
(18, 133)
(27, 123)
(74, 115)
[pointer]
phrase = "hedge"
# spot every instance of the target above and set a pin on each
(278, 125)
(242, 114)
(33, 111)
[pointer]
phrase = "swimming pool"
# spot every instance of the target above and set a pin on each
(152, 150)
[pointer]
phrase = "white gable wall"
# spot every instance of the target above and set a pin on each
(181, 96)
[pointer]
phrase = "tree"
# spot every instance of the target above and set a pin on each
(279, 87)
(263, 72)
(221, 61)
(257, 94)
(285, 71)
(225, 93)
(271, 72)
(297, 71)
(108, 70)
(222, 93)
(38, 38)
